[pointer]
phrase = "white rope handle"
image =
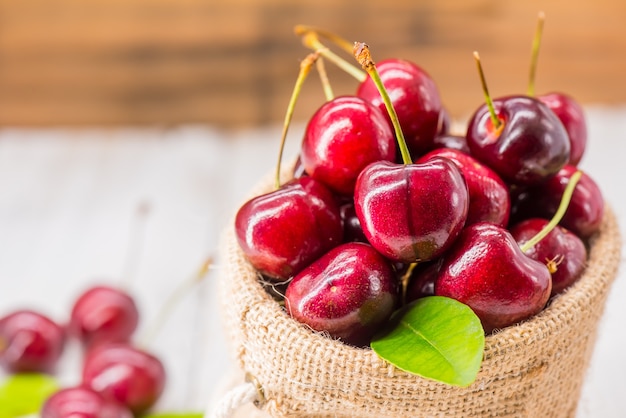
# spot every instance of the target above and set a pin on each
(235, 398)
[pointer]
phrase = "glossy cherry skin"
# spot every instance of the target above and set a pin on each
(283, 231)
(413, 212)
(489, 198)
(415, 98)
(486, 270)
(571, 114)
(584, 213)
(349, 293)
(562, 251)
(530, 146)
(30, 342)
(103, 314)
(422, 280)
(342, 137)
(450, 141)
(352, 231)
(82, 402)
(125, 374)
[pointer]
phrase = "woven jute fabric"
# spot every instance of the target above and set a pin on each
(533, 369)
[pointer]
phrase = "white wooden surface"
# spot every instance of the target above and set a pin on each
(69, 218)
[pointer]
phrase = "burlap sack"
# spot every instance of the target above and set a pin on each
(534, 369)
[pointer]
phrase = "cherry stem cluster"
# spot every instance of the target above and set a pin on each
(362, 54)
(565, 200)
(534, 55)
(483, 81)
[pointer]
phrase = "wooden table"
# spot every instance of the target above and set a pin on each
(143, 208)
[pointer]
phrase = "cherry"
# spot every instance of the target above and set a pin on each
(488, 195)
(126, 374)
(528, 147)
(415, 98)
(411, 212)
(352, 231)
(572, 116)
(422, 280)
(487, 270)
(103, 314)
(283, 231)
(518, 137)
(584, 213)
(82, 402)
(341, 138)
(451, 141)
(562, 251)
(348, 293)
(30, 342)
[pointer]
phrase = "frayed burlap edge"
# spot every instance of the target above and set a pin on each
(532, 369)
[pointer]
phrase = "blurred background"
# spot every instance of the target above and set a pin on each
(131, 131)
(233, 63)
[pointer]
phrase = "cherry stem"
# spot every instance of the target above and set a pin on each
(362, 54)
(405, 281)
(305, 69)
(492, 111)
(334, 38)
(534, 55)
(565, 200)
(174, 299)
(321, 70)
(310, 40)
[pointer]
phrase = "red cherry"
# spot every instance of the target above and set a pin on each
(528, 147)
(350, 292)
(487, 270)
(103, 314)
(584, 213)
(343, 136)
(422, 280)
(30, 342)
(450, 141)
(415, 98)
(562, 251)
(283, 231)
(128, 375)
(489, 199)
(411, 212)
(82, 402)
(571, 114)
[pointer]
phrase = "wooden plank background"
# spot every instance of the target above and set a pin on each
(232, 63)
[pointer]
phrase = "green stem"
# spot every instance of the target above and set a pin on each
(311, 41)
(321, 70)
(302, 30)
(492, 111)
(534, 55)
(362, 55)
(305, 69)
(567, 197)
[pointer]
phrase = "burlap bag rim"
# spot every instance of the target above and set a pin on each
(536, 367)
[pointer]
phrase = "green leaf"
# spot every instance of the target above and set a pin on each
(437, 338)
(175, 415)
(24, 394)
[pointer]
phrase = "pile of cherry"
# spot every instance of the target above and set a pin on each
(118, 379)
(371, 221)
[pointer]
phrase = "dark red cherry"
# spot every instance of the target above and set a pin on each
(103, 314)
(561, 251)
(125, 374)
(352, 231)
(349, 293)
(415, 98)
(422, 280)
(450, 141)
(283, 231)
(486, 270)
(572, 116)
(343, 136)
(530, 145)
(584, 213)
(30, 342)
(489, 199)
(82, 402)
(411, 212)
